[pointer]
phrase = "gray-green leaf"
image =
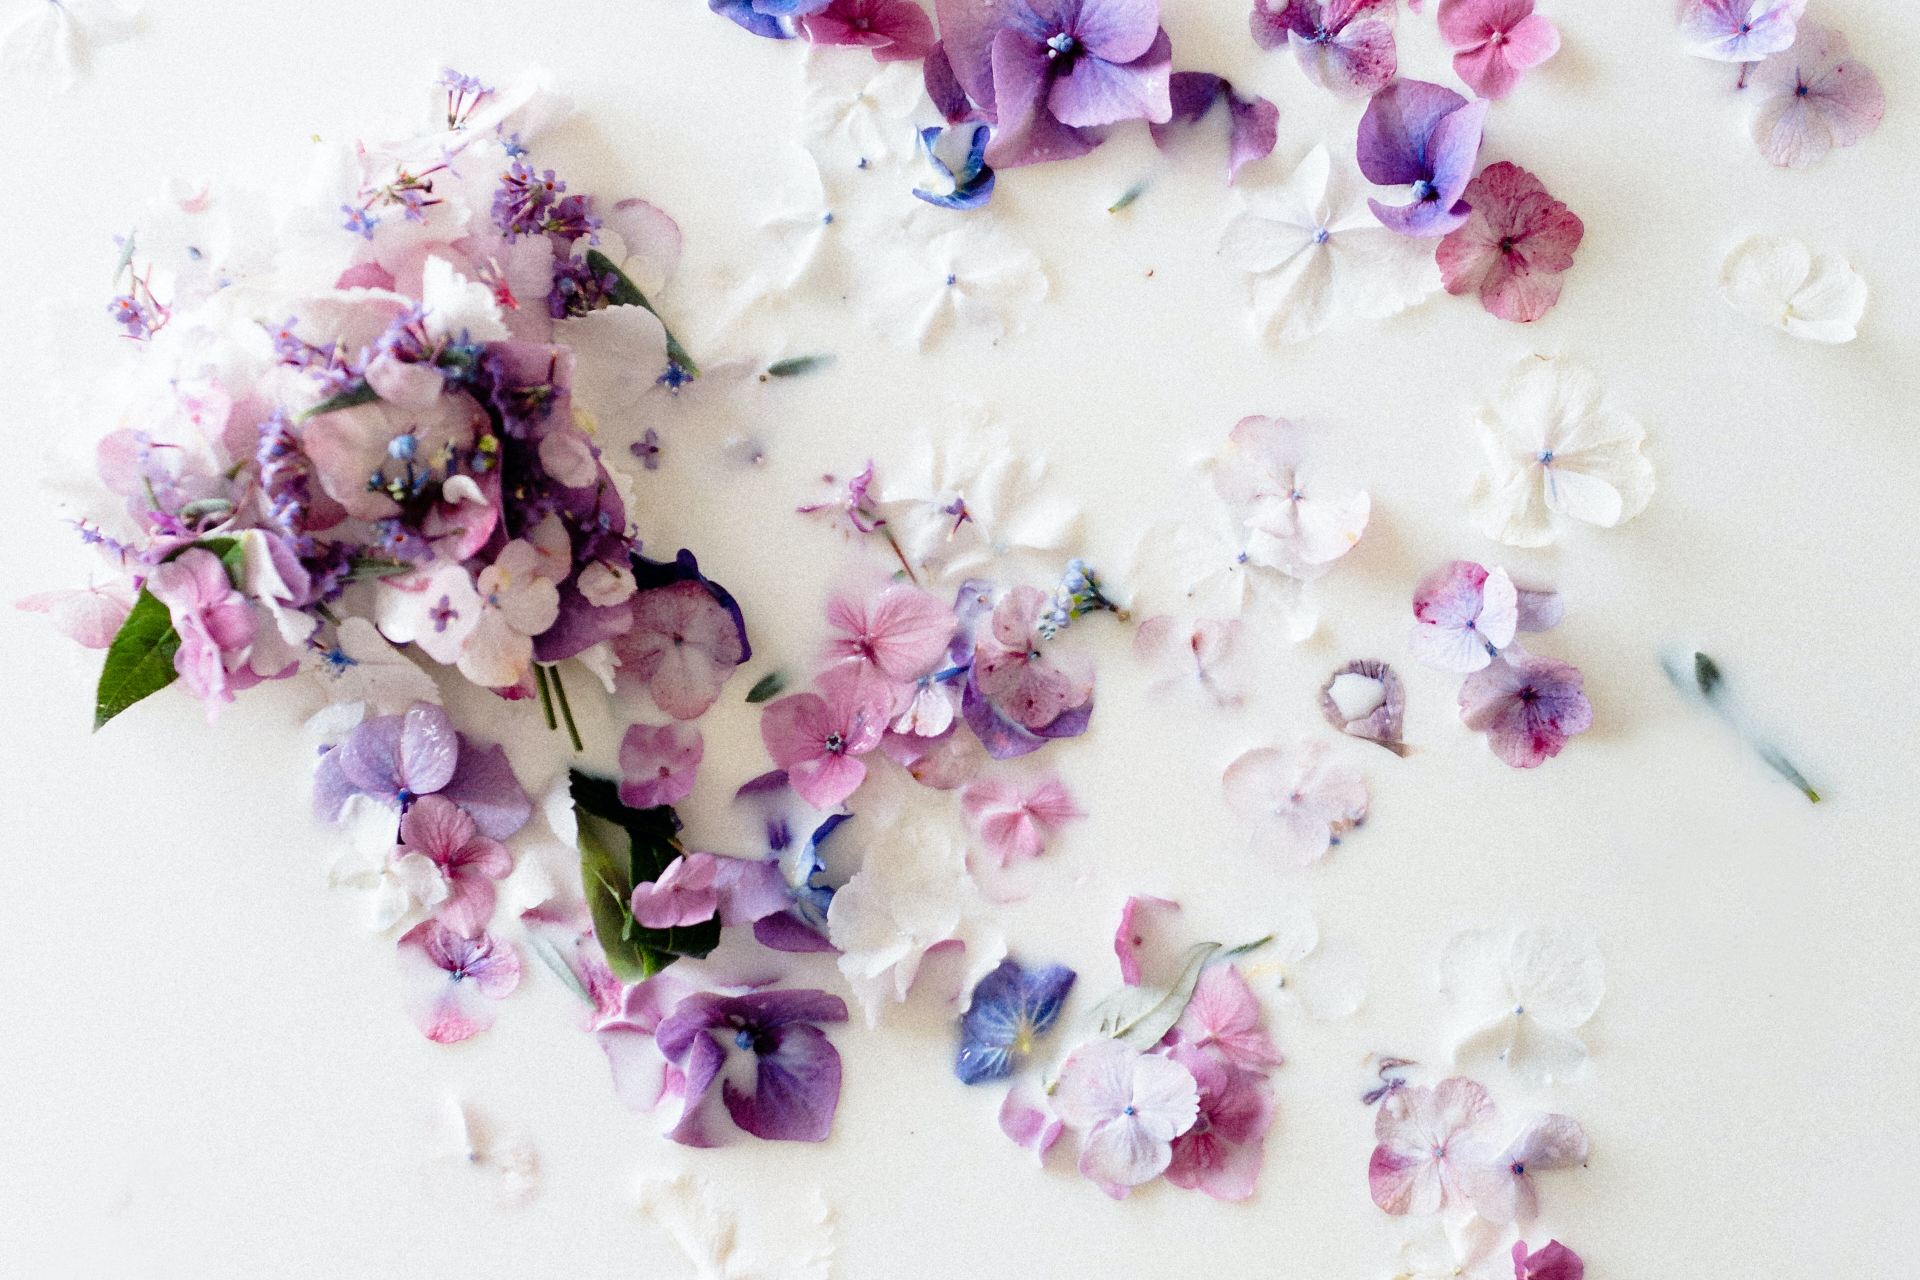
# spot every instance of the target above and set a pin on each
(1141, 1016)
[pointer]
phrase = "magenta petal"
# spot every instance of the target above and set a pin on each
(796, 1088)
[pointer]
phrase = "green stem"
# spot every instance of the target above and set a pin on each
(546, 697)
(566, 708)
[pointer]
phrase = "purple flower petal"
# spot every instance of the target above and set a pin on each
(1395, 129)
(796, 1089)
(483, 784)
(1027, 133)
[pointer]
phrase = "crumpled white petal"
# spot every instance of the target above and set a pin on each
(1779, 282)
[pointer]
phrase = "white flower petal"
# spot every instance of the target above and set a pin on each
(1777, 281)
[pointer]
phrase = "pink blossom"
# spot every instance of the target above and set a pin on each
(1146, 953)
(943, 761)
(215, 624)
(1739, 30)
(658, 764)
(1129, 1107)
(1204, 653)
(445, 834)
(1815, 97)
(453, 980)
(1028, 1120)
(1016, 676)
(1221, 1153)
(1554, 1262)
(1424, 1161)
(818, 737)
(89, 617)
(1528, 706)
(1513, 248)
(1295, 803)
(1504, 1191)
(1225, 1016)
(894, 30)
(899, 631)
(684, 894)
(1464, 615)
(683, 645)
(1494, 41)
(1014, 824)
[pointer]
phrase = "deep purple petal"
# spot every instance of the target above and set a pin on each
(1028, 133)
(796, 1089)
(579, 626)
(1395, 129)
(787, 932)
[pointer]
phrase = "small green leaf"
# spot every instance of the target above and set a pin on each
(797, 365)
(1141, 1016)
(1127, 197)
(619, 848)
(625, 293)
(139, 661)
(359, 393)
(551, 957)
(767, 686)
(1706, 674)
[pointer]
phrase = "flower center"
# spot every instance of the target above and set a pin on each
(1424, 191)
(1546, 457)
(743, 1039)
(835, 744)
(1128, 1110)
(1061, 47)
(1321, 235)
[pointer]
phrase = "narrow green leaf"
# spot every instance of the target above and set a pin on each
(1127, 197)
(1141, 1016)
(626, 293)
(139, 661)
(797, 365)
(358, 394)
(767, 686)
(1706, 674)
(550, 956)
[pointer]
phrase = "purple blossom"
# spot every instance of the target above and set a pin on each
(1554, 1261)
(772, 19)
(1427, 137)
(453, 980)
(1528, 706)
(801, 925)
(1739, 30)
(1011, 1008)
(398, 759)
(796, 1070)
(1252, 123)
(1345, 46)
(968, 175)
(1051, 72)
(531, 203)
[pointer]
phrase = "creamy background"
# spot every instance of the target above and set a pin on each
(204, 1067)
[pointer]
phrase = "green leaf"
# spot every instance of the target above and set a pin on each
(550, 956)
(798, 365)
(767, 686)
(359, 393)
(139, 661)
(626, 293)
(1141, 1016)
(1127, 197)
(619, 848)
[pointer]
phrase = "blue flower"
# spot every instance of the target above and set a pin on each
(972, 180)
(1011, 1009)
(770, 18)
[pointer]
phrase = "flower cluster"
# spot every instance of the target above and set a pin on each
(1813, 95)
(1175, 1083)
(1465, 620)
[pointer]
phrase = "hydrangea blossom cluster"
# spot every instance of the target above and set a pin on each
(1811, 94)
(1175, 1084)
(1465, 620)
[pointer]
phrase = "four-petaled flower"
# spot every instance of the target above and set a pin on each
(1527, 705)
(1295, 803)
(796, 1069)
(818, 738)
(1426, 137)
(1514, 246)
(453, 979)
(1814, 97)
(1011, 1008)
(1129, 1107)
(1494, 41)
(1343, 45)
(1426, 1160)
(444, 834)
(658, 764)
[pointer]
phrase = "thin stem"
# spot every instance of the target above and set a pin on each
(1746, 70)
(899, 555)
(566, 708)
(546, 697)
